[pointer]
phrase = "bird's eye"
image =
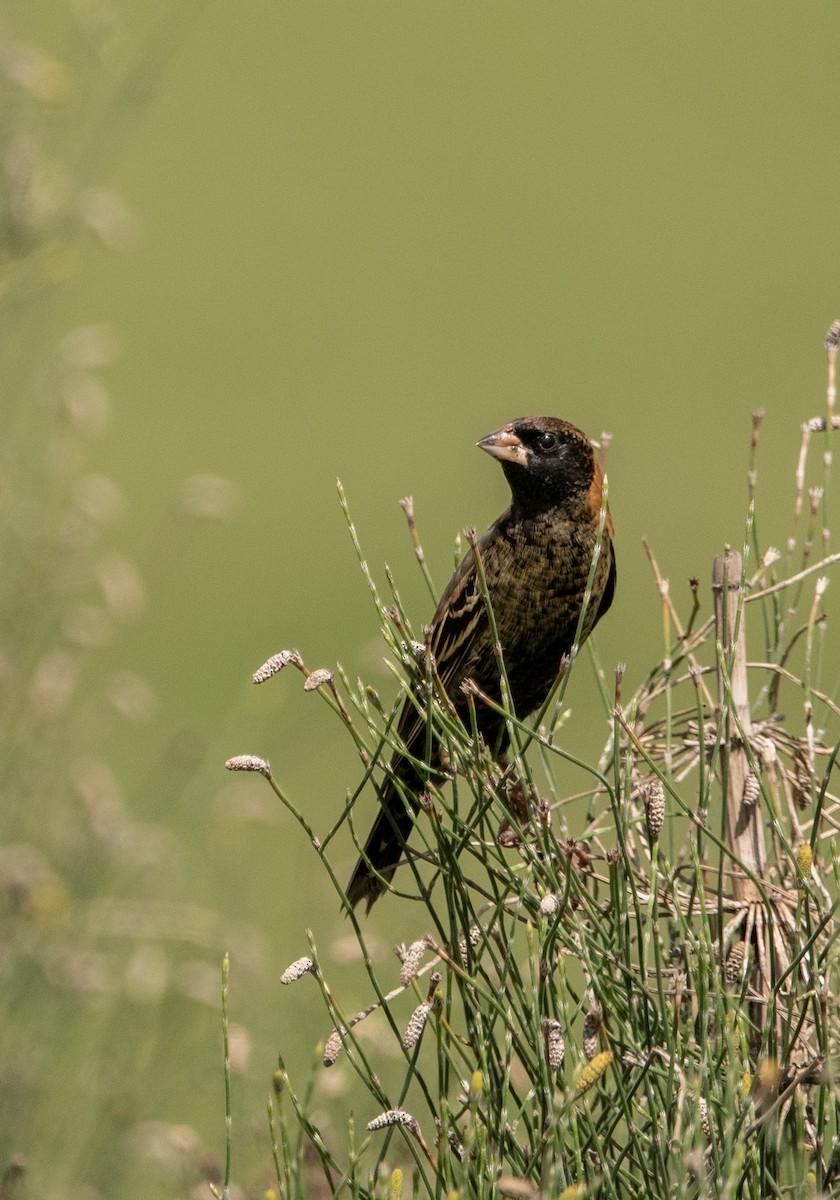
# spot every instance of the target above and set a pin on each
(547, 442)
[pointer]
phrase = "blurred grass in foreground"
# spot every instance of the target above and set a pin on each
(102, 962)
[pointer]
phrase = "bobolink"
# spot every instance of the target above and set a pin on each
(536, 560)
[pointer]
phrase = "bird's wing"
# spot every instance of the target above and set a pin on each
(456, 634)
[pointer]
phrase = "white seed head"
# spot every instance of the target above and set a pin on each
(475, 938)
(333, 1046)
(591, 1029)
(318, 679)
(704, 1117)
(297, 969)
(653, 795)
(555, 1046)
(735, 964)
(249, 762)
(410, 957)
(416, 1025)
(752, 790)
(276, 663)
(394, 1116)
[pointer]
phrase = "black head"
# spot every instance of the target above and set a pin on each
(546, 461)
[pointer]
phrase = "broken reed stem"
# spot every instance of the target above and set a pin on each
(744, 828)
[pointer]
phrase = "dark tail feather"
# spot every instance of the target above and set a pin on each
(383, 850)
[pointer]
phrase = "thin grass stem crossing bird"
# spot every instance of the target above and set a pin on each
(536, 561)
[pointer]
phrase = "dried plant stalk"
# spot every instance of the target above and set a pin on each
(744, 828)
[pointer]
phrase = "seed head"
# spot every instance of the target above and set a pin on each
(592, 1072)
(416, 1025)
(455, 1144)
(276, 663)
(735, 963)
(249, 762)
(591, 1029)
(704, 1117)
(410, 958)
(297, 969)
(653, 795)
(333, 1046)
(318, 679)
(555, 1046)
(475, 938)
(752, 790)
(394, 1116)
(805, 859)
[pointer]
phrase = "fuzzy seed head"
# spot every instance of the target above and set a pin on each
(653, 795)
(455, 1145)
(249, 762)
(769, 1074)
(297, 970)
(394, 1116)
(555, 1046)
(805, 859)
(592, 1072)
(475, 938)
(333, 1046)
(318, 679)
(735, 964)
(276, 663)
(802, 785)
(704, 1117)
(410, 957)
(416, 1025)
(550, 904)
(591, 1029)
(752, 790)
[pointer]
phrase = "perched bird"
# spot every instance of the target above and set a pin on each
(536, 560)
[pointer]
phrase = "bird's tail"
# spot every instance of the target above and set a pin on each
(383, 849)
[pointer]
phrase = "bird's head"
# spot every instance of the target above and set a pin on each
(546, 461)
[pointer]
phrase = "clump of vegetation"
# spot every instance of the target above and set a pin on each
(627, 991)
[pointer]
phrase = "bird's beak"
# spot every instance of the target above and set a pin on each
(504, 444)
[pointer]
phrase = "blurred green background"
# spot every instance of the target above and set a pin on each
(246, 250)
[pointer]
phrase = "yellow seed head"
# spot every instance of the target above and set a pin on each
(476, 1084)
(804, 859)
(395, 1187)
(592, 1072)
(769, 1074)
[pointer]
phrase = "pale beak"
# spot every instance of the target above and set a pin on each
(505, 445)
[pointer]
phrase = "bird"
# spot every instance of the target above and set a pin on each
(536, 561)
